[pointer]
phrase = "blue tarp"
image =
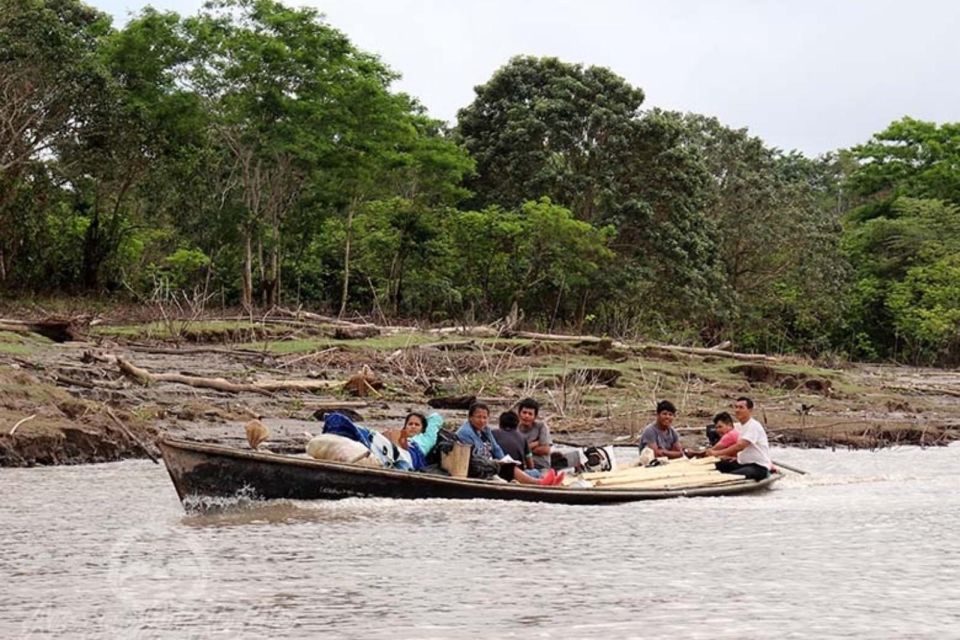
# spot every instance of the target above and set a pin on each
(340, 425)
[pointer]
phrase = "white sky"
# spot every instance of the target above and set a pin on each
(814, 75)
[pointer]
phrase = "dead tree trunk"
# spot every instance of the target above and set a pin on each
(247, 272)
(346, 259)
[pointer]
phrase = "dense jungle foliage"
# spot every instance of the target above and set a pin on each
(252, 155)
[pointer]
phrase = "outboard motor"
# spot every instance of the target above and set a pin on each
(598, 459)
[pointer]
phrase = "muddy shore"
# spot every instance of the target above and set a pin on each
(70, 402)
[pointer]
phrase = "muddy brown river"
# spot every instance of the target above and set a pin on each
(866, 546)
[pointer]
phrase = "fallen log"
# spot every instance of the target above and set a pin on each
(704, 351)
(247, 353)
(316, 317)
(552, 337)
(355, 332)
(580, 341)
(94, 356)
(452, 345)
(924, 390)
(297, 385)
(130, 435)
(479, 331)
(309, 356)
(264, 387)
(334, 405)
(587, 340)
(144, 377)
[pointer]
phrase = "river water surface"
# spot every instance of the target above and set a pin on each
(865, 546)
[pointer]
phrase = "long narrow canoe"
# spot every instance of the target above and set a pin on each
(200, 470)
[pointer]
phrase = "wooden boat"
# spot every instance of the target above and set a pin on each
(200, 470)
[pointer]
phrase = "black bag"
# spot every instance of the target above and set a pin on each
(445, 440)
(481, 467)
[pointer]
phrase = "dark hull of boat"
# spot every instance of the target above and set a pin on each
(213, 471)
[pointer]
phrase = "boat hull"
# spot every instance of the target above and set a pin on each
(201, 470)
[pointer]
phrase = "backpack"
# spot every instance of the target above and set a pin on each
(445, 440)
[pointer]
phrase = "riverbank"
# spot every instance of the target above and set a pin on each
(109, 392)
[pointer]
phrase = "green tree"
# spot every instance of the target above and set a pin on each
(48, 72)
(925, 307)
(291, 98)
(507, 261)
(141, 122)
(776, 230)
(909, 158)
(542, 127)
(898, 261)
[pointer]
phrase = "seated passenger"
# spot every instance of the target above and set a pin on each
(535, 431)
(728, 433)
(660, 436)
(513, 443)
(413, 424)
(476, 432)
(727, 436)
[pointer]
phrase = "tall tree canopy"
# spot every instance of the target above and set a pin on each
(542, 127)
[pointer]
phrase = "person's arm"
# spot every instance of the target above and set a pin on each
(527, 455)
(658, 451)
(731, 451)
(673, 452)
(541, 446)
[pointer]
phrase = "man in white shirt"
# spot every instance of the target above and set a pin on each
(752, 450)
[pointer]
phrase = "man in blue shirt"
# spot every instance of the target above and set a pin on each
(476, 432)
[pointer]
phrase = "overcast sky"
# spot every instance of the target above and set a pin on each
(815, 75)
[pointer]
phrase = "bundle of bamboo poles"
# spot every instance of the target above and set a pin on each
(675, 474)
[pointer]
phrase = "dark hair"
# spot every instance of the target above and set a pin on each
(423, 419)
(666, 405)
(509, 420)
(723, 417)
(746, 400)
(476, 406)
(529, 403)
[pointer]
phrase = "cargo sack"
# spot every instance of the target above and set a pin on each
(336, 448)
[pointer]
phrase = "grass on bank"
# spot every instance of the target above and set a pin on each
(18, 344)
